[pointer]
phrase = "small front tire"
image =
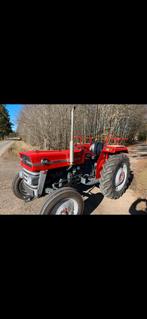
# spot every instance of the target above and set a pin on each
(18, 188)
(64, 201)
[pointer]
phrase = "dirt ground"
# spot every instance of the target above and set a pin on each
(95, 203)
(4, 145)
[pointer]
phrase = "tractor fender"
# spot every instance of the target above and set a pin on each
(106, 152)
(115, 149)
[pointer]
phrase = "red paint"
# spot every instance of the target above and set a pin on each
(80, 153)
(63, 156)
(106, 152)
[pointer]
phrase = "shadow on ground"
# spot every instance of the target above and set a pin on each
(131, 178)
(93, 200)
(133, 210)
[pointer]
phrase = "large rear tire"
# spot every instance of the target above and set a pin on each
(64, 201)
(115, 176)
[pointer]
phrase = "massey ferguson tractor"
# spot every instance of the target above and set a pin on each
(57, 173)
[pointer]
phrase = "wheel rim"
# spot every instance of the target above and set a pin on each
(68, 206)
(120, 178)
(22, 189)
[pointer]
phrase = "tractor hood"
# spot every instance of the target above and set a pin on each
(45, 160)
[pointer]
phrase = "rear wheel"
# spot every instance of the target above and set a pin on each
(18, 188)
(115, 176)
(65, 201)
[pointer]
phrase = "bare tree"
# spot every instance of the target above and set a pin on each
(48, 126)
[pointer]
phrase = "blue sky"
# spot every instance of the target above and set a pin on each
(14, 111)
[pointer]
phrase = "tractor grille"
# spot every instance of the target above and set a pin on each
(31, 179)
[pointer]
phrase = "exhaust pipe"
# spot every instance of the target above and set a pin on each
(72, 137)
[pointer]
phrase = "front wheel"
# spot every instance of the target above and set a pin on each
(18, 188)
(65, 201)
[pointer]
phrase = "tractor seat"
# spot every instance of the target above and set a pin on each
(96, 148)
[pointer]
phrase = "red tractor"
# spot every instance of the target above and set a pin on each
(58, 172)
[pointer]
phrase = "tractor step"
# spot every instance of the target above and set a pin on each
(49, 190)
(86, 180)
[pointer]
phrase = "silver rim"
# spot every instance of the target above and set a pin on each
(68, 206)
(22, 188)
(121, 177)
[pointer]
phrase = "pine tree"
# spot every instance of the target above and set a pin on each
(5, 124)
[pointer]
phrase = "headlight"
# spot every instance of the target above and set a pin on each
(26, 160)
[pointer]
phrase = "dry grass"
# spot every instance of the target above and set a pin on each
(18, 146)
